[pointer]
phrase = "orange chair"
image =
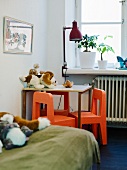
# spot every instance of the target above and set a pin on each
(47, 99)
(97, 116)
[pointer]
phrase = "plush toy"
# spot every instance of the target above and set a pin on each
(15, 131)
(68, 84)
(32, 81)
(48, 79)
(34, 71)
(12, 136)
(35, 80)
(36, 67)
(36, 124)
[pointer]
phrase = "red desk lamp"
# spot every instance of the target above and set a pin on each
(75, 35)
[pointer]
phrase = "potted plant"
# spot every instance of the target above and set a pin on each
(86, 57)
(103, 48)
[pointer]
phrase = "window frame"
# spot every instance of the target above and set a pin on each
(123, 25)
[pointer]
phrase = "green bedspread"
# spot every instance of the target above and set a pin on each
(54, 148)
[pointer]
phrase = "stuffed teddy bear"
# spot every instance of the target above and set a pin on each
(68, 84)
(15, 131)
(34, 71)
(36, 67)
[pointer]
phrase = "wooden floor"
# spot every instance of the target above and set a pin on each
(114, 155)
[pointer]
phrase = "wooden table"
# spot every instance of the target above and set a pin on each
(80, 89)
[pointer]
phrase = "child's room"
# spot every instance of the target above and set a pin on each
(64, 104)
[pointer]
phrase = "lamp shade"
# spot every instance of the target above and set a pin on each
(75, 34)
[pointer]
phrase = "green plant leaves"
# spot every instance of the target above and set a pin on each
(102, 47)
(88, 42)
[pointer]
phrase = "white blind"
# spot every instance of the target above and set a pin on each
(100, 11)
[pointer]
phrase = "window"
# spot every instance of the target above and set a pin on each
(104, 17)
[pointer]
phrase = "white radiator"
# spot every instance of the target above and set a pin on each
(116, 97)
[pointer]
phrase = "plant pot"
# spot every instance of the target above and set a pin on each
(87, 59)
(102, 64)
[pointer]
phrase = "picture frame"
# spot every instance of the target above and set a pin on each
(18, 36)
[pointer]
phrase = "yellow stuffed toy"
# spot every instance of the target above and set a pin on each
(68, 84)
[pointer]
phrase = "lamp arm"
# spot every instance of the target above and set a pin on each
(64, 59)
(64, 52)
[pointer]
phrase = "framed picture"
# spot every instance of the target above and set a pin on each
(18, 36)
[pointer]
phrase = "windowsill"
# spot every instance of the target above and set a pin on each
(108, 71)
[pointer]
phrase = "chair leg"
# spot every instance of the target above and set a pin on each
(103, 129)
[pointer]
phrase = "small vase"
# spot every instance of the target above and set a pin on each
(87, 60)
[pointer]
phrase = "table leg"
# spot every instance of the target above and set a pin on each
(66, 109)
(89, 99)
(79, 110)
(24, 104)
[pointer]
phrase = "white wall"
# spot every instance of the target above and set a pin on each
(60, 13)
(56, 21)
(48, 18)
(14, 65)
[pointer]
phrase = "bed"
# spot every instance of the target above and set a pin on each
(54, 148)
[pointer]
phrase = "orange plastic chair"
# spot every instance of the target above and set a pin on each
(97, 115)
(47, 99)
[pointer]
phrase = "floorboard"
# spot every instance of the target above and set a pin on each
(114, 154)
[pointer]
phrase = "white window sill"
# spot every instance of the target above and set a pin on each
(108, 71)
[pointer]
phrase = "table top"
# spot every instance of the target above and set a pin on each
(74, 88)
